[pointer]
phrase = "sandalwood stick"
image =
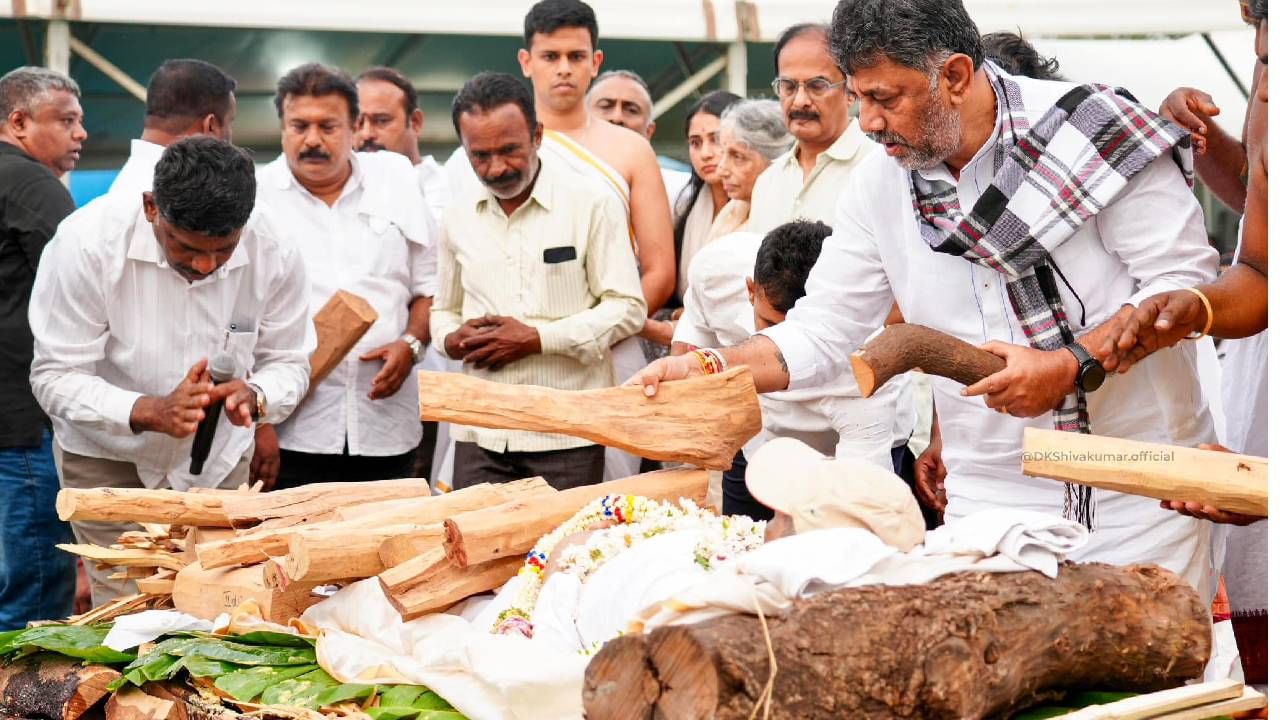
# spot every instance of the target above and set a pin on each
(430, 583)
(514, 528)
(703, 421)
(1227, 481)
(903, 347)
(405, 547)
(340, 323)
(309, 500)
(322, 556)
(139, 505)
(438, 507)
(124, 558)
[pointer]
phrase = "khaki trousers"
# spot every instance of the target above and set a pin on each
(84, 472)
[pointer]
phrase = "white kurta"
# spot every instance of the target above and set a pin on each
(1150, 239)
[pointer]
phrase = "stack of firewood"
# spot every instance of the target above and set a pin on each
(213, 551)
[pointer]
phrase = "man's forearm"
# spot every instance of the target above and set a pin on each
(762, 356)
(1239, 300)
(419, 324)
(1222, 167)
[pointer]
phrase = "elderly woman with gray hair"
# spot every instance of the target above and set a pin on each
(752, 134)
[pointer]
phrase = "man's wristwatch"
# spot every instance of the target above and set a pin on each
(415, 346)
(259, 402)
(1091, 373)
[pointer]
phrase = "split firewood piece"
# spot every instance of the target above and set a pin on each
(160, 583)
(111, 610)
(209, 593)
(322, 555)
(1163, 703)
(52, 687)
(903, 347)
(141, 505)
(340, 323)
(310, 500)
(131, 703)
(703, 421)
(969, 645)
(197, 536)
(124, 558)
(430, 583)
(1227, 481)
(514, 528)
(438, 507)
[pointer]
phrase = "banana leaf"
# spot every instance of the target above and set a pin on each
(409, 713)
(402, 696)
(247, 684)
(235, 652)
(346, 692)
(303, 691)
(77, 641)
(431, 701)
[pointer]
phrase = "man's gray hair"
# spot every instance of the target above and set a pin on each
(629, 75)
(918, 34)
(759, 125)
(26, 87)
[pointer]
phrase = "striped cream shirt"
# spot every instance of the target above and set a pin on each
(561, 263)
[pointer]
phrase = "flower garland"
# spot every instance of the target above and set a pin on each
(635, 519)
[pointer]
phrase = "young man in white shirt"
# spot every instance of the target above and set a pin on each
(360, 225)
(537, 282)
(134, 297)
(944, 118)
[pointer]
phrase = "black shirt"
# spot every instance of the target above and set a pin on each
(32, 203)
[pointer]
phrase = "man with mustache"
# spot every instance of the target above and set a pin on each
(1029, 217)
(40, 138)
(134, 295)
(361, 225)
(537, 282)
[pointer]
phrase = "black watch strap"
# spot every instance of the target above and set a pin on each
(1082, 355)
(1090, 375)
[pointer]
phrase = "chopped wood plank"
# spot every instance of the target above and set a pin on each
(124, 558)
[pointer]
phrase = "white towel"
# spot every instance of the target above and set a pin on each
(1034, 540)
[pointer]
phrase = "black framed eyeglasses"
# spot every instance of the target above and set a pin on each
(814, 87)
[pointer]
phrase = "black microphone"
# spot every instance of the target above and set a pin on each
(223, 369)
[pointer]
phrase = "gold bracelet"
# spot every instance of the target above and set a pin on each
(1208, 310)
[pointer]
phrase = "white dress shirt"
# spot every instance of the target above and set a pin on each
(113, 322)
(1150, 239)
(833, 419)
(782, 193)
(374, 242)
(436, 189)
(135, 177)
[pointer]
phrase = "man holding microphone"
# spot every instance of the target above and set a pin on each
(137, 295)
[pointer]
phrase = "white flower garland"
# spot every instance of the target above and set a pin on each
(637, 519)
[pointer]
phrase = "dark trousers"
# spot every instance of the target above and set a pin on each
(425, 455)
(37, 580)
(562, 469)
(299, 468)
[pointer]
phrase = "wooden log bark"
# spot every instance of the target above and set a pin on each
(903, 347)
(321, 555)
(209, 593)
(139, 505)
(131, 703)
(52, 687)
(438, 507)
(514, 528)
(430, 583)
(340, 324)
(403, 548)
(971, 645)
(300, 503)
(1166, 472)
(702, 421)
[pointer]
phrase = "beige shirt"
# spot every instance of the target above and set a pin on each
(560, 263)
(782, 193)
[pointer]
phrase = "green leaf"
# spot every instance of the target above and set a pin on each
(265, 637)
(245, 685)
(77, 641)
(161, 668)
(204, 667)
(441, 715)
(345, 692)
(400, 696)
(238, 653)
(431, 701)
(303, 691)
(393, 713)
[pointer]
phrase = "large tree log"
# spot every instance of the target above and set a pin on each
(702, 421)
(514, 528)
(139, 505)
(308, 501)
(1166, 472)
(972, 645)
(340, 324)
(903, 347)
(430, 583)
(52, 687)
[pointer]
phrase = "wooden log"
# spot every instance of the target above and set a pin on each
(970, 645)
(514, 528)
(209, 593)
(197, 536)
(308, 501)
(1166, 472)
(438, 507)
(430, 583)
(400, 549)
(903, 347)
(140, 505)
(131, 703)
(247, 549)
(124, 558)
(703, 421)
(321, 555)
(160, 583)
(52, 687)
(340, 324)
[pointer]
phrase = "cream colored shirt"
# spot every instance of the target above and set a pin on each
(783, 194)
(560, 263)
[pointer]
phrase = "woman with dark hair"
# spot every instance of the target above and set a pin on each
(696, 207)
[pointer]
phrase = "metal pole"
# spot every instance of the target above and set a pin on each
(687, 86)
(57, 46)
(108, 68)
(736, 71)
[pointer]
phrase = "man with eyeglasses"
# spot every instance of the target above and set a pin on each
(806, 182)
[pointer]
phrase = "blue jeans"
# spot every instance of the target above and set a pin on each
(37, 580)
